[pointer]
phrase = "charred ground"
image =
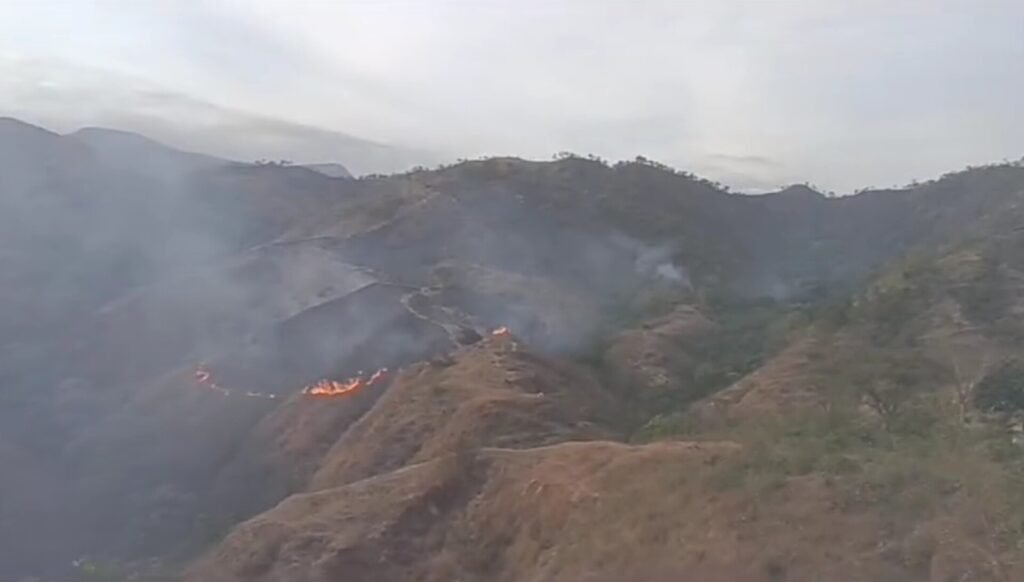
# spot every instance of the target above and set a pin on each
(806, 360)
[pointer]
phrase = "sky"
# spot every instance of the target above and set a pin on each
(844, 94)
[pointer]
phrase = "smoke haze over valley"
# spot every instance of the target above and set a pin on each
(319, 292)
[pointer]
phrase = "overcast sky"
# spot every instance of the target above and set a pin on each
(843, 93)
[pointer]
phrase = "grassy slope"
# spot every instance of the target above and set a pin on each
(889, 417)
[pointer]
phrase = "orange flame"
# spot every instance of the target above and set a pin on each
(333, 388)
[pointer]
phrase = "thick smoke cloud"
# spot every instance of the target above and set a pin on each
(130, 263)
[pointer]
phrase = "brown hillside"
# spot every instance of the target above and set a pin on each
(491, 394)
(283, 451)
(657, 359)
(789, 382)
(573, 512)
(957, 311)
(120, 273)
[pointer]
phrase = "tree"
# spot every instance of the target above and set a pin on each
(969, 370)
(886, 399)
(1003, 389)
(886, 381)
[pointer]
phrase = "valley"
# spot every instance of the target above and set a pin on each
(502, 370)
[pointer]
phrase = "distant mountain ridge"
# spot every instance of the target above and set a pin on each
(104, 98)
(333, 170)
(126, 149)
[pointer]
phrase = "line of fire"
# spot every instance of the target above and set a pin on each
(325, 388)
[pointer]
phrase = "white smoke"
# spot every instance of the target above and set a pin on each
(673, 273)
(656, 262)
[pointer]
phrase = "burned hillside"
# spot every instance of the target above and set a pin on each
(393, 378)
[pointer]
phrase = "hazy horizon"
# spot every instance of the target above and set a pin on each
(756, 96)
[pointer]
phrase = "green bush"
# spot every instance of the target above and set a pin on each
(1003, 389)
(984, 297)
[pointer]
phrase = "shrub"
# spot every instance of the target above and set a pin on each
(1003, 389)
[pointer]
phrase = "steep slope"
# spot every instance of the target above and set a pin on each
(174, 448)
(582, 511)
(281, 453)
(906, 400)
(958, 310)
(795, 484)
(489, 393)
(481, 238)
(658, 361)
(488, 515)
(493, 393)
(126, 264)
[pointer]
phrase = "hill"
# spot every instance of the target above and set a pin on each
(131, 150)
(715, 366)
(332, 170)
(865, 449)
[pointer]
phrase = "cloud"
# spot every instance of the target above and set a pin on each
(840, 93)
(64, 98)
(744, 160)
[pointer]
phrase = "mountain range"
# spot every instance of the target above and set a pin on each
(588, 371)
